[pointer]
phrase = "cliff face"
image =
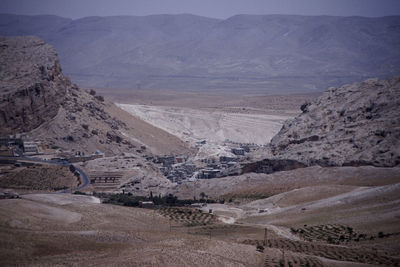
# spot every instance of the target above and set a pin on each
(32, 86)
(357, 124)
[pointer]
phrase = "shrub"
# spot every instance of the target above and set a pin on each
(100, 98)
(72, 168)
(260, 248)
(304, 107)
(79, 193)
(133, 201)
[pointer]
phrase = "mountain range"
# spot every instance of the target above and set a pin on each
(256, 53)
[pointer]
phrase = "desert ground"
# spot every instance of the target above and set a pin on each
(314, 216)
(49, 230)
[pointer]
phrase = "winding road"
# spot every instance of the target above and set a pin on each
(83, 176)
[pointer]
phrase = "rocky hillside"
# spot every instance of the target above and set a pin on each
(356, 124)
(86, 122)
(273, 53)
(37, 98)
(32, 86)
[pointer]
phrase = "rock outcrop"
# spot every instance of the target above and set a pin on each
(357, 124)
(32, 86)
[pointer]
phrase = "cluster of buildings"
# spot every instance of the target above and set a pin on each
(81, 157)
(176, 168)
(180, 172)
(18, 145)
(21, 145)
(179, 169)
(217, 167)
(225, 165)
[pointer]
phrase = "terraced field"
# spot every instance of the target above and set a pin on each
(337, 234)
(331, 233)
(303, 253)
(290, 259)
(188, 216)
(323, 245)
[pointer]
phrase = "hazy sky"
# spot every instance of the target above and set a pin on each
(210, 8)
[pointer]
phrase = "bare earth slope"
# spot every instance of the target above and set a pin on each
(86, 123)
(356, 124)
(260, 185)
(215, 126)
(76, 230)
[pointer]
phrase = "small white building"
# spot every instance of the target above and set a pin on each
(30, 147)
(146, 204)
(238, 151)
